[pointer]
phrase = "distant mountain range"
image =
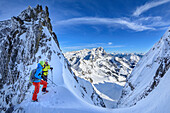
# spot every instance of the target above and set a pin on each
(97, 66)
(103, 69)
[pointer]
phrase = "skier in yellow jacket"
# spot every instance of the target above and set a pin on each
(45, 70)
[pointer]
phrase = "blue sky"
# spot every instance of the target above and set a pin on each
(115, 25)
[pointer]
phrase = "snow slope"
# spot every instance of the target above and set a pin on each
(65, 102)
(149, 73)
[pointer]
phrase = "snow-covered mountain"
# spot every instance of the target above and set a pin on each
(150, 78)
(24, 41)
(97, 66)
(107, 72)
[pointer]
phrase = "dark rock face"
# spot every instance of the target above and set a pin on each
(20, 39)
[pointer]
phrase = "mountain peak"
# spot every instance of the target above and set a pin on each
(98, 51)
(34, 13)
(100, 48)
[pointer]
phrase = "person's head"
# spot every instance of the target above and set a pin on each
(42, 63)
(46, 61)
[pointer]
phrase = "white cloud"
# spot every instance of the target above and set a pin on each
(104, 21)
(155, 18)
(148, 6)
(109, 43)
(116, 46)
(156, 22)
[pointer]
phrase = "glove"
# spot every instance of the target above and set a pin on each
(51, 68)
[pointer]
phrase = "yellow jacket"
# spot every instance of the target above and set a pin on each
(45, 69)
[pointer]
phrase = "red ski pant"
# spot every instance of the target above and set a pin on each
(37, 87)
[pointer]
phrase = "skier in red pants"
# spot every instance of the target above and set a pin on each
(38, 81)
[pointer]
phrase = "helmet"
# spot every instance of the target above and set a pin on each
(42, 63)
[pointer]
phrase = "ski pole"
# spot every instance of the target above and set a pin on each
(54, 90)
(52, 82)
(52, 76)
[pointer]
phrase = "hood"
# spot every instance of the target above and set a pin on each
(39, 65)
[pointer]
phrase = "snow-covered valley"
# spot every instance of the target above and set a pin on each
(107, 72)
(29, 38)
